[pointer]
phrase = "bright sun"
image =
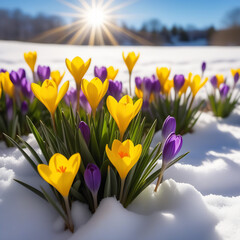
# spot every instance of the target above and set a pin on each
(96, 17)
(95, 22)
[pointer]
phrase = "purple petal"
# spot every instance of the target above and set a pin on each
(92, 177)
(168, 127)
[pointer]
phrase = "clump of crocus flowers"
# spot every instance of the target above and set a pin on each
(98, 150)
(223, 97)
(165, 96)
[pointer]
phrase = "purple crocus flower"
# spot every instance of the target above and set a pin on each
(101, 73)
(204, 67)
(92, 177)
(178, 82)
(168, 127)
(3, 70)
(85, 130)
(9, 107)
(138, 82)
(156, 88)
(84, 103)
(214, 81)
(224, 91)
(17, 77)
(171, 148)
(71, 98)
(43, 72)
(236, 77)
(148, 84)
(115, 89)
(24, 108)
(26, 89)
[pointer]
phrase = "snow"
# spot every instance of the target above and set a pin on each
(200, 195)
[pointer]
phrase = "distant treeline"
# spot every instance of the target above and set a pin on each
(15, 25)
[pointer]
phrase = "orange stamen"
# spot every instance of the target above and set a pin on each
(123, 154)
(62, 169)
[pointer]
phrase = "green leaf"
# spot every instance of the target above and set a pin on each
(31, 150)
(34, 190)
(38, 138)
(32, 163)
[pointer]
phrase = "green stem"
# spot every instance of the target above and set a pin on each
(121, 191)
(78, 86)
(70, 222)
(159, 178)
(34, 77)
(53, 122)
(191, 102)
(130, 89)
(94, 195)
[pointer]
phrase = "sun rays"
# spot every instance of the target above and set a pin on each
(95, 24)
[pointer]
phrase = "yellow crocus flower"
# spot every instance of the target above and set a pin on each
(196, 84)
(130, 60)
(7, 85)
(48, 94)
(186, 84)
(56, 77)
(124, 156)
(77, 67)
(168, 85)
(163, 74)
(30, 58)
(234, 71)
(111, 73)
(123, 111)
(94, 91)
(220, 79)
(60, 172)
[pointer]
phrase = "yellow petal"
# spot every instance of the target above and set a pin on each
(62, 92)
(36, 89)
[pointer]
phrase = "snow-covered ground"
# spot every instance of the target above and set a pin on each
(200, 197)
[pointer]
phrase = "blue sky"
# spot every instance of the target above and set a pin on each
(182, 12)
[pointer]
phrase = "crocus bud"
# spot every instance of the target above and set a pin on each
(92, 177)
(138, 82)
(21, 73)
(148, 84)
(84, 103)
(71, 98)
(43, 72)
(100, 73)
(24, 108)
(203, 66)
(214, 81)
(178, 82)
(14, 78)
(168, 127)
(17, 77)
(171, 148)
(224, 91)
(156, 88)
(115, 89)
(9, 107)
(85, 130)
(236, 77)
(26, 89)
